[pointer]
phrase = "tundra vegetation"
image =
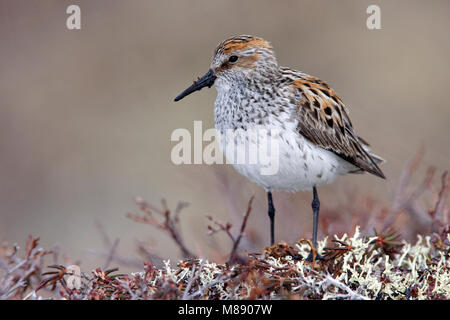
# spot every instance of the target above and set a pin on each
(379, 264)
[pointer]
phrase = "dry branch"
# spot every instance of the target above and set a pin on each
(168, 223)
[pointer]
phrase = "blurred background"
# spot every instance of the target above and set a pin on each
(86, 117)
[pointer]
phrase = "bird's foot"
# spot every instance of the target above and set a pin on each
(313, 255)
(317, 257)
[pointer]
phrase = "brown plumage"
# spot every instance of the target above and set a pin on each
(323, 120)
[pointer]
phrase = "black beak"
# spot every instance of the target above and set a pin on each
(206, 81)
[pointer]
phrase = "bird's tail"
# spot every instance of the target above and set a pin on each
(377, 160)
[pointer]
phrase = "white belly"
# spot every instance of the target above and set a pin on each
(296, 164)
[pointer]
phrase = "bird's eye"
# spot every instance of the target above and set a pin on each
(233, 59)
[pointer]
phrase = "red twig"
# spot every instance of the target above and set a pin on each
(438, 214)
(243, 225)
(220, 227)
(168, 223)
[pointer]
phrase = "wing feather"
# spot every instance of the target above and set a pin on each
(324, 120)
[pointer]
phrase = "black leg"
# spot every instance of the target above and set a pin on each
(315, 207)
(271, 212)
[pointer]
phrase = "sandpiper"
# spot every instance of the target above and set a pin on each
(316, 138)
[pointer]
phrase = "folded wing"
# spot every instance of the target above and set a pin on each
(323, 120)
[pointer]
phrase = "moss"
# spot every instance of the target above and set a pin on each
(354, 267)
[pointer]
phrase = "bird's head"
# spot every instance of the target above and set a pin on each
(235, 60)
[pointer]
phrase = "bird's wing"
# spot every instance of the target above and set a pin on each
(323, 120)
